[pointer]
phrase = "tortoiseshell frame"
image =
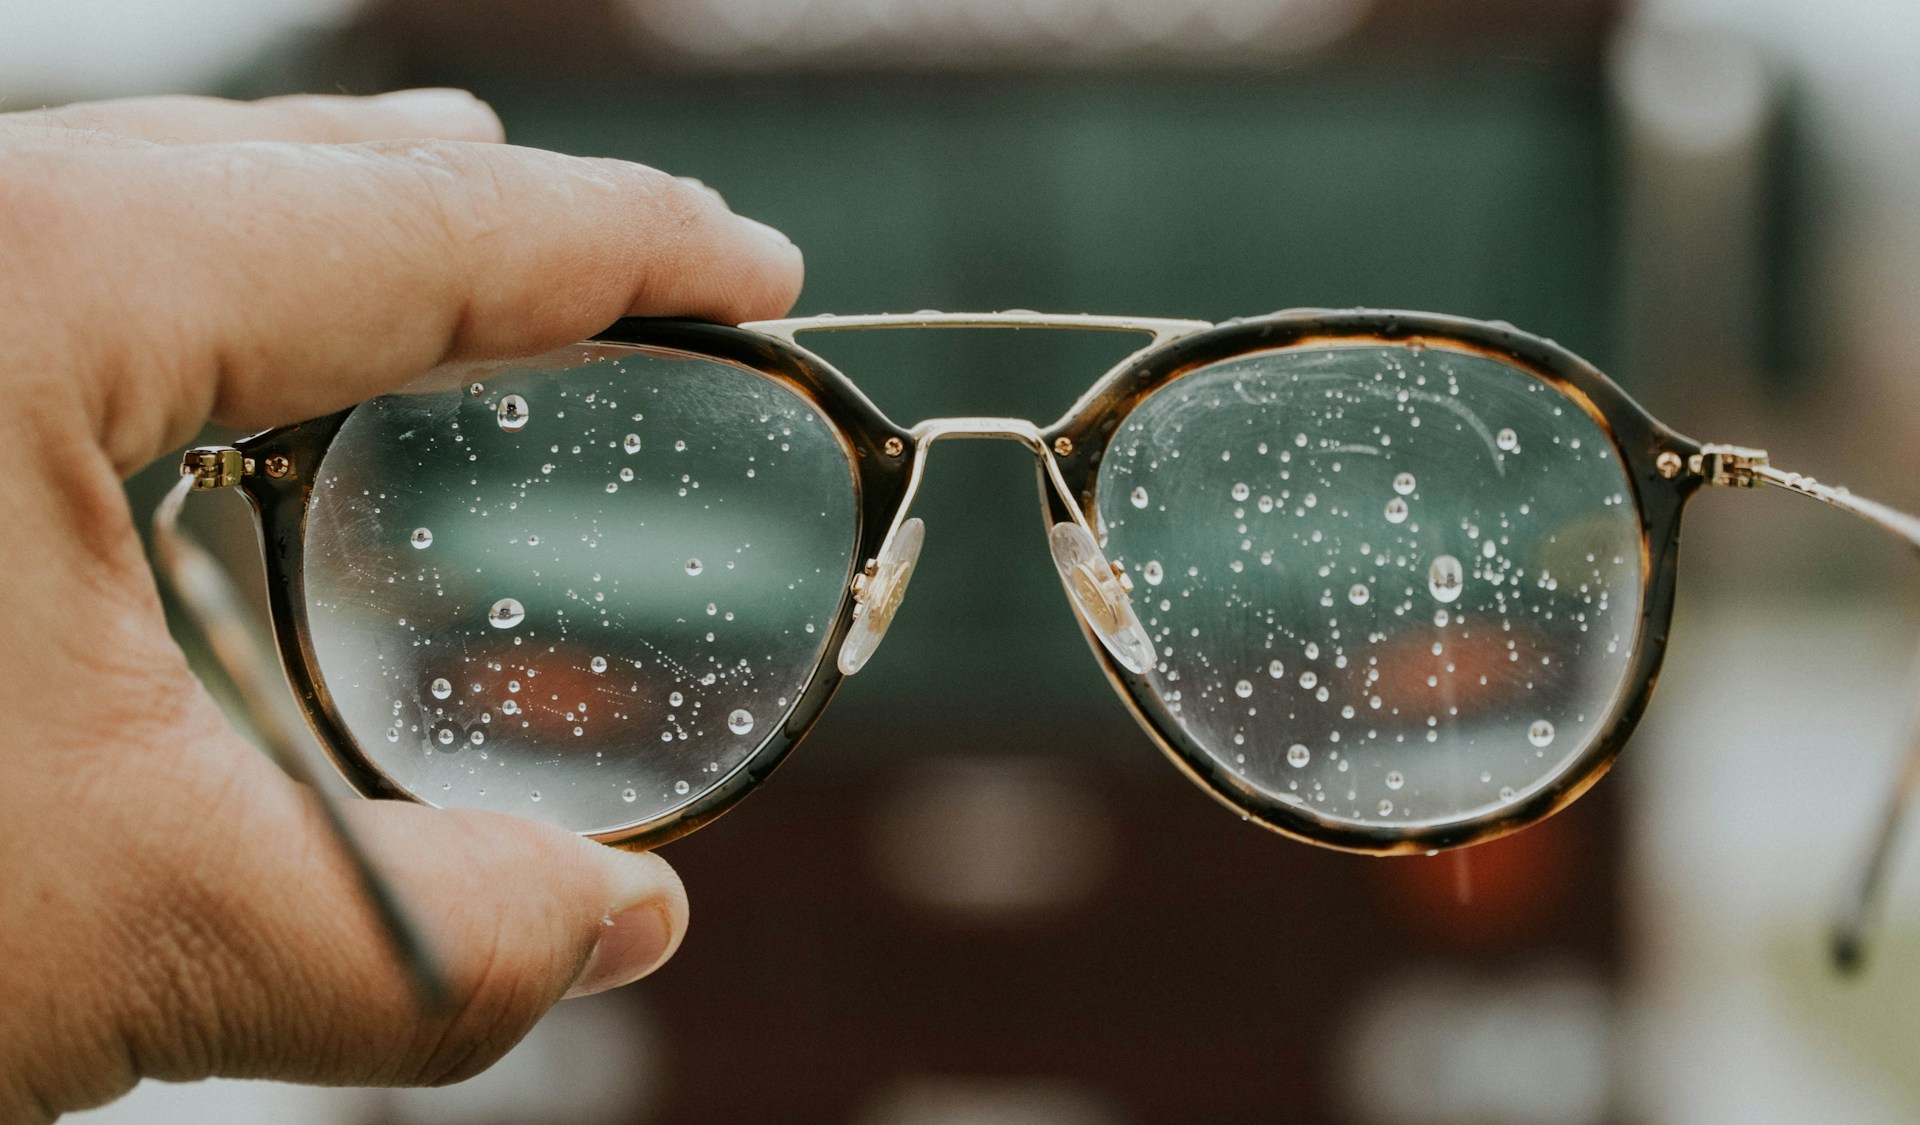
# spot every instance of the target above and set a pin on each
(884, 453)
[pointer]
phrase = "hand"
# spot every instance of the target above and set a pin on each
(170, 904)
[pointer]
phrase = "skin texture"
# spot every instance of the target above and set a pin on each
(170, 905)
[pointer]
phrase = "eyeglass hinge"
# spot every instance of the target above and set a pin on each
(214, 466)
(1728, 465)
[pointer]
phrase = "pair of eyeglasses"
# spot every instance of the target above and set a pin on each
(1384, 582)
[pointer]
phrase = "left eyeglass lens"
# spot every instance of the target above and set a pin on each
(586, 588)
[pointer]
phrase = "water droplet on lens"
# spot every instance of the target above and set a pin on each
(441, 688)
(446, 736)
(598, 664)
(477, 737)
(675, 699)
(1506, 793)
(1276, 669)
(1298, 755)
(681, 788)
(509, 707)
(694, 567)
(1243, 689)
(1241, 491)
(1540, 733)
(741, 721)
(1395, 780)
(1386, 808)
(626, 474)
(1403, 484)
(629, 796)
(632, 444)
(1507, 440)
(1308, 679)
(1359, 594)
(1153, 572)
(512, 413)
(477, 390)
(1444, 578)
(506, 613)
(1139, 497)
(1396, 510)
(679, 447)
(422, 538)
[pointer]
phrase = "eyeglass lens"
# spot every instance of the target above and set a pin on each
(585, 589)
(1393, 586)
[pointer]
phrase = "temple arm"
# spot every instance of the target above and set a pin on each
(1730, 465)
(211, 601)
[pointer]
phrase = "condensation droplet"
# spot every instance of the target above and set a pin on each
(1308, 679)
(1241, 491)
(1153, 572)
(694, 567)
(1506, 793)
(445, 736)
(675, 699)
(1540, 733)
(477, 737)
(629, 796)
(626, 473)
(680, 447)
(441, 688)
(598, 664)
(1444, 578)
(512, 413)
(631, 445)
(1396, 510)
(422, 538)
(1276, 669)
(682, 788)
(1359, 594)
(1139, 497)
(1507, 440)
(1395, 780)
(1243, 689)
(1386, 808)
(1403, 484)
(740, 721)
(506, 613)
(1298, 755)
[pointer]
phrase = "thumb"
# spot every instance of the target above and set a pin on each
(303, 986)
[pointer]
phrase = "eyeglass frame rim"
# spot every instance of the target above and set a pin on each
(883, 479)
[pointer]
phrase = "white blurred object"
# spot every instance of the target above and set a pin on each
(1230, 31)
(1435, 1048)
(62, 50)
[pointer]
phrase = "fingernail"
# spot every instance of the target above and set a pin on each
(632, 944)
(441, 107)
(770, 234)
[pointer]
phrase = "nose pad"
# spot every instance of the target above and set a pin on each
(877, 592)
(1095, 588)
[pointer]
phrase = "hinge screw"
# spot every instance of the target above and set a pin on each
(1668, 464)
(279, 465)
(1063, 446)
(894, 447)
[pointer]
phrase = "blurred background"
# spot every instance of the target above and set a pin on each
(978, 895)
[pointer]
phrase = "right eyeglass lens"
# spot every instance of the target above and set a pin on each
(1394, 586)
(586, 589)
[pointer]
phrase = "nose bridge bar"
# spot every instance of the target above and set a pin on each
(1160, 328)
(1003, 429)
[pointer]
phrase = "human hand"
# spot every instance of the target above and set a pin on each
(170, 903)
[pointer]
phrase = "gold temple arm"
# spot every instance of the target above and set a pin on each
(210, 600)
(1732, 465)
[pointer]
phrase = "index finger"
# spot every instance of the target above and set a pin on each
(282, 282)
